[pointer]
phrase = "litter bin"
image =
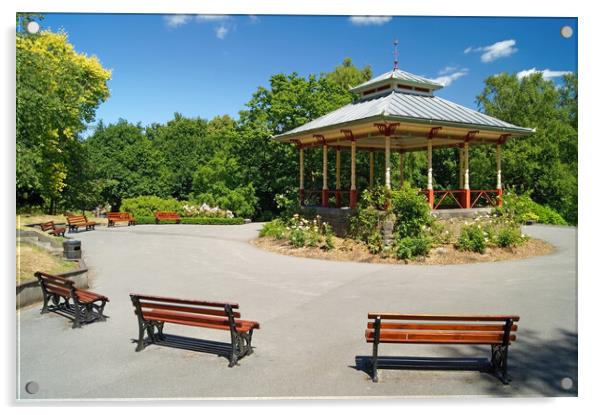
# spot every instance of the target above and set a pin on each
(72, 249)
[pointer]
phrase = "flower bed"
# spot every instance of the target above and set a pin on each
(396, 226)
(146, 220)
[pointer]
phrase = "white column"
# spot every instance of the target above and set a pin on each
(388, 162)
(301, 169)
(498, 159)
(466, 165)
(325, 167)
(353, 165)
(338, 165)
(401, 161)
(429, 156)
(371, 168)
(461, 169)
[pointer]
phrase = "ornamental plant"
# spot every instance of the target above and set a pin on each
(411, 247)
(472, 238)
(510, 236)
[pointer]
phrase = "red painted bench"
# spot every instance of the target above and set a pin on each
(494, 330)
(86, 306)
(114, 217)
(154, 311)
(159, 216)
(52, 229)
(79, 221)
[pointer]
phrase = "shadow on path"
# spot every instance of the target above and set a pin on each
(536, 366)
(194, 345)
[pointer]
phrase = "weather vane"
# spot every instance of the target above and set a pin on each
(395, 55)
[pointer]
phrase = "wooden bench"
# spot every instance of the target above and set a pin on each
(86, 306)
(494, 330)
(79, 221)
(153, 312)
(115, 217)
(159, 216)
(52, 229)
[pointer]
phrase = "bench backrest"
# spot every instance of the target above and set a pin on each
(47, 226)
(167, 215)
(449, 329)
(118, 216)
(77, 220)
(202, 312)
(54, 284)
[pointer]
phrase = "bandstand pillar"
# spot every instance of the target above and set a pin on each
(498, 162)
(401, 160)
(466, 196)
(301, 177)
(324, 175)
(429, 182)
(371, 169)
(338, 177)
(352, 190)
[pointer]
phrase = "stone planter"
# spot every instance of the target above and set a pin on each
(29, 292)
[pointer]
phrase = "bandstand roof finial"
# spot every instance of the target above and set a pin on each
(395, 55)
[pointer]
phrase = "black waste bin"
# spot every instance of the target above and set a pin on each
(72, 249)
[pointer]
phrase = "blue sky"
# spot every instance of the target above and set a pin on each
(210, 65)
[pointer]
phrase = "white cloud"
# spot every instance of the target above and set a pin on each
(223, 21)
(175, 20)
(498, 50)
(449, 74)
(546, 73)
(221, 32)
(253, 18)
(211, 17)
(369, 20)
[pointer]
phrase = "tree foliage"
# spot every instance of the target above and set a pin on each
(58, 91)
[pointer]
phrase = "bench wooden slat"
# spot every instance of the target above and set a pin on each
(195, 310)
(184, 301)
(194, 320)
(441, 326)
(393, 336)
(440, 317)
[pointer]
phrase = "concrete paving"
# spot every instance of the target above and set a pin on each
(312, 315)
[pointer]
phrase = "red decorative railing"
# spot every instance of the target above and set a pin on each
(442, 199)
(448, 196)
(336, 198)
(452, 199)
(486, 197)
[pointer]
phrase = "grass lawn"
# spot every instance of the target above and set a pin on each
(31, 258)
(27, 219)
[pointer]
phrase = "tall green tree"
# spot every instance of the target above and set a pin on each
(181, 144)
(127, 163)
(289, 101)
(545, 163)
(58, 92)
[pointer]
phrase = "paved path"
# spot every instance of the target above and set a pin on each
(312, 313)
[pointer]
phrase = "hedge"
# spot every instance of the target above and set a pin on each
(149, 220)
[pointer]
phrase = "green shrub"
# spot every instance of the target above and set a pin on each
(297, 238)
(509, 236)
(275, 229)
(150, 220)
(412, 212)
(522, 208)
(410, 247)
(472, 238)
(148, 205)
(364, 224)
(328, 238)
(212, 221)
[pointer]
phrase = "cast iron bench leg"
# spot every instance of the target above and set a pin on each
(375, 349)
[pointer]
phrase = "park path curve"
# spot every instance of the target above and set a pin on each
(312, 315)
